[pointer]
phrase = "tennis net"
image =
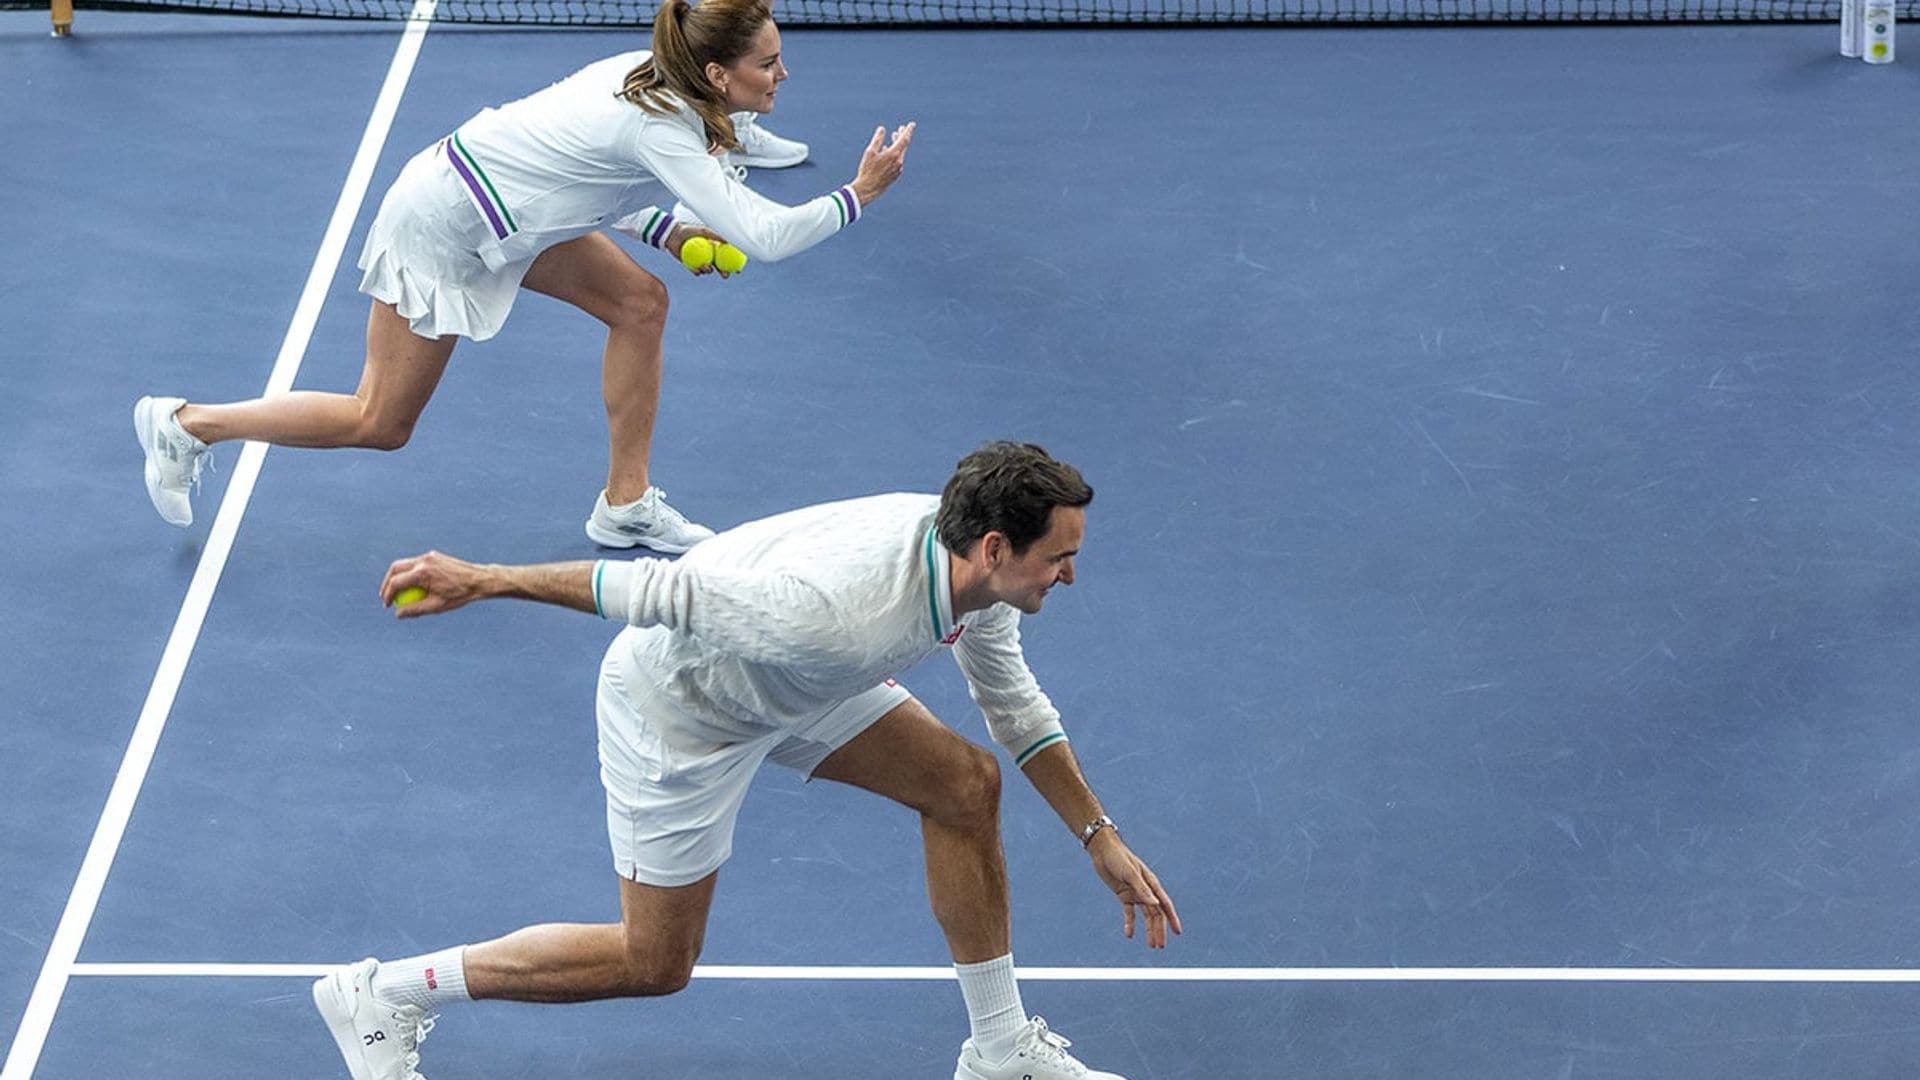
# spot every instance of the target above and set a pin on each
(1004, 13)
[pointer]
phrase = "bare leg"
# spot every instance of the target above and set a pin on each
(593, 274)
(651, 951)
(400, 375)
(909, 756)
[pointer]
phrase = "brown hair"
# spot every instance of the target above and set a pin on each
(1009, 488)
(686, 39)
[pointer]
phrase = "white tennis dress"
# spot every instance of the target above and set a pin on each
(469, 214)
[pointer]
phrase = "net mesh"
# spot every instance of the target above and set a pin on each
(1001, 13)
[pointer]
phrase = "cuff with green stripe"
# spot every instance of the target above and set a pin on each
(612, 588)
(658, 226)
(848, 204)
(1037, 741)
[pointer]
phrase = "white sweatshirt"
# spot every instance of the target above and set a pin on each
(575, 157)
(779, 620)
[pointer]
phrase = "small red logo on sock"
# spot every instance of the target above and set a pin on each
(431, 984)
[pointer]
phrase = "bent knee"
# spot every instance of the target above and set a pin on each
(657, 978)
(657, 965)
(641, 302)
(971, 794)
(384, 435)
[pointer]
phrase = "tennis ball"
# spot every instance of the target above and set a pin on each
(729, 259)
(409, 595)
(696, 253)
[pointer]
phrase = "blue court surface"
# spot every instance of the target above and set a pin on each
(1497, 622)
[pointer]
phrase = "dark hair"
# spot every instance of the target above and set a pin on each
(1010, 488)
(686, 39)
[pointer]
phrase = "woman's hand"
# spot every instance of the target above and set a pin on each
(678, 237)
(880, 165)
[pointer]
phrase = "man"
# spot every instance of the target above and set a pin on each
(777, 640)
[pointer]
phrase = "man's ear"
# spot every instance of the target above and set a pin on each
(995, 545)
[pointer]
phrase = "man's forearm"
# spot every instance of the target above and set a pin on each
(568, 584)
(1055, 774)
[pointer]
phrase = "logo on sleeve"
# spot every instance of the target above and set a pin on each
(958, 629)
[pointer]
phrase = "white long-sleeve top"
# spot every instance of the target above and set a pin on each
(777, 621)
(575, 157)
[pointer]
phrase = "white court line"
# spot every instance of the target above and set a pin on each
(59, 965)
(1136, 974)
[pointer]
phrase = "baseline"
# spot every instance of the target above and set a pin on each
(1133, 974)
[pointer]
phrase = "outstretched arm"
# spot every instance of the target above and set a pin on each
(764, 229)
(452, 583)
(1055, 773)
(760, 617)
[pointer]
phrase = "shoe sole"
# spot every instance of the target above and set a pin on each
(622, 541)
(767, 162)
(339, 1021)
(143, 429)
(961, 1072)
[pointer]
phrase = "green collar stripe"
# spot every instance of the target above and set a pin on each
(933, 586)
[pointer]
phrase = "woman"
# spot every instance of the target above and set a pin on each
(516, 197)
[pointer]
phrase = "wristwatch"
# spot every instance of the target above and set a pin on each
(1093, 828)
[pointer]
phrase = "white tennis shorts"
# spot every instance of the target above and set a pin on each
(673, 795)
(421, 255)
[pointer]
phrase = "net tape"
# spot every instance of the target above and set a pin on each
(1001, 13)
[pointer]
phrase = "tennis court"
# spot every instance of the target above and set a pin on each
(1495, 624)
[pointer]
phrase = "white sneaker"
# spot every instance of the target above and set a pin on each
(762, 148)
(174, 458)
(647, 522)
(1038, 1054)
(379, 1041)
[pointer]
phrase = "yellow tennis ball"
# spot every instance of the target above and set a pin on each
(409, 595)
(696, 253)
(729, 259)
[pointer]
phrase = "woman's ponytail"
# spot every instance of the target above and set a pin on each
(685, 40)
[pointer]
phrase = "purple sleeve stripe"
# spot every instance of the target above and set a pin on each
(663, 224)
(479, 194)
(849, 206)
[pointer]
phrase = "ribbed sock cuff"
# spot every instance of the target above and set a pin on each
(994, 1008)
(427, 981)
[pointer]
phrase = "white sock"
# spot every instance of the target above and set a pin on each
(993, 1005)
(426, 981)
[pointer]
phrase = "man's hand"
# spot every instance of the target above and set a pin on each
(1136, 886)
(450, 583)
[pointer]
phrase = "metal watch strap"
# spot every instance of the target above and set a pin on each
(1093, 829)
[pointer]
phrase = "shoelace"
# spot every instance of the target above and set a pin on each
(410, 1042)
(1052, 1046)
(203, 461)
(667, 515)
